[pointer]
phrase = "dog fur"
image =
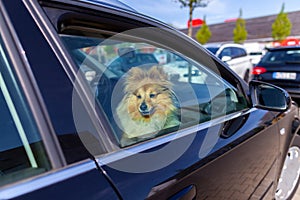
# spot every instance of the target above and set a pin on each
(148, 104)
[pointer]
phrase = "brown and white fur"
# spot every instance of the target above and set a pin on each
(147, 106)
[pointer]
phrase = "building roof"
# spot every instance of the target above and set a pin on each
(259, 28)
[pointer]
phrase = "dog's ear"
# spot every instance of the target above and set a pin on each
(157, 73)
(134, 76)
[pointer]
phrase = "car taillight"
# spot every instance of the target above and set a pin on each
(258, 70)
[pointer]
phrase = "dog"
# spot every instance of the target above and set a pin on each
(147, 106)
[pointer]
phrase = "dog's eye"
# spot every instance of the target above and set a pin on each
(152, 95)
(139, 96)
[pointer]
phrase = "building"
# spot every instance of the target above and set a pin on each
(259, 29)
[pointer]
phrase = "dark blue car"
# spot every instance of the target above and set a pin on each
(281, 66)
(73, 126)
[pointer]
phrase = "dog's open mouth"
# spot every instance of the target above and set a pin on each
(147, 113)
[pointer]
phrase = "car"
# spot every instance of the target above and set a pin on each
(125, 61)
(255, 57)
(281, 66)
(73, 127)
(235, 55)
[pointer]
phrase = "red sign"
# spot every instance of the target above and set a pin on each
(287, 42)
(290, 42)
(195, 23)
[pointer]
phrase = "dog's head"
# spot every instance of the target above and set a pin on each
(149, 93)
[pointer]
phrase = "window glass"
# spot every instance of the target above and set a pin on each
(148, 90)
(238, 52)
(282, 56)
(235, 52)
(22, 151)
(226, 52)
(243, 52)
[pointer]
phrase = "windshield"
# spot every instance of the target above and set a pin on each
(282, 56)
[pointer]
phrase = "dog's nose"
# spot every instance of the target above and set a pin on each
(143, 107)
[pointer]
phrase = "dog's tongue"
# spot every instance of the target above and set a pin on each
(146, 116)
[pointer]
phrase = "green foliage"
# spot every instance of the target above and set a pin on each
(192, 4)
(109, 49)
(240, 31)
(281, 28)
(203, 34)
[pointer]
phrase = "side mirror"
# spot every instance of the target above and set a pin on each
(269, 97)
(226, 58)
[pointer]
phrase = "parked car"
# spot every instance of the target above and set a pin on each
(123, 62)
(62, 134)
(255, 57)
(281, 66)
(235, 55)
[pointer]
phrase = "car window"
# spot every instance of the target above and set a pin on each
(22, 152)
(144, 99)
(238, 52)
(242, 52)
(227, 51)
(145, 82)
(235, 52)
(282, 56)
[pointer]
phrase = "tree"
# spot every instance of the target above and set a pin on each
(281, 28)
(203, 34)
(240, 32)
(192, 4)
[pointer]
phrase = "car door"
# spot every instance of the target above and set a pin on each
(222, 148)
(34, 164)
(229, 157)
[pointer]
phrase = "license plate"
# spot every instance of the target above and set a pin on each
(284, 75)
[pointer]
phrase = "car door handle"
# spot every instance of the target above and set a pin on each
(188, 193)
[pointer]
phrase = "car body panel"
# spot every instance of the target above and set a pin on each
(239, 65)
(66, 181)
(197, 168)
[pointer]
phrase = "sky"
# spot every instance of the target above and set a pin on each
(217, 11)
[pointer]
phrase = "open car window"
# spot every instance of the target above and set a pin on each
(147, 90)
(147, 84)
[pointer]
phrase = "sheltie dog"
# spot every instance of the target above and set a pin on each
(147, 106)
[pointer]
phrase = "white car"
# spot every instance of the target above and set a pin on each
(255, 57)
(235, 55)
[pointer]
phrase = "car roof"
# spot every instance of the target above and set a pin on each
(110, 3)
(283, 48)
(119, 5)
(223, 45)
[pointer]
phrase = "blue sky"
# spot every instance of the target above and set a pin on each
(216, 12)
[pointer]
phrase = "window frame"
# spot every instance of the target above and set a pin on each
(70, 42)
(67, 64)
(134, 21)
(23, 74)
